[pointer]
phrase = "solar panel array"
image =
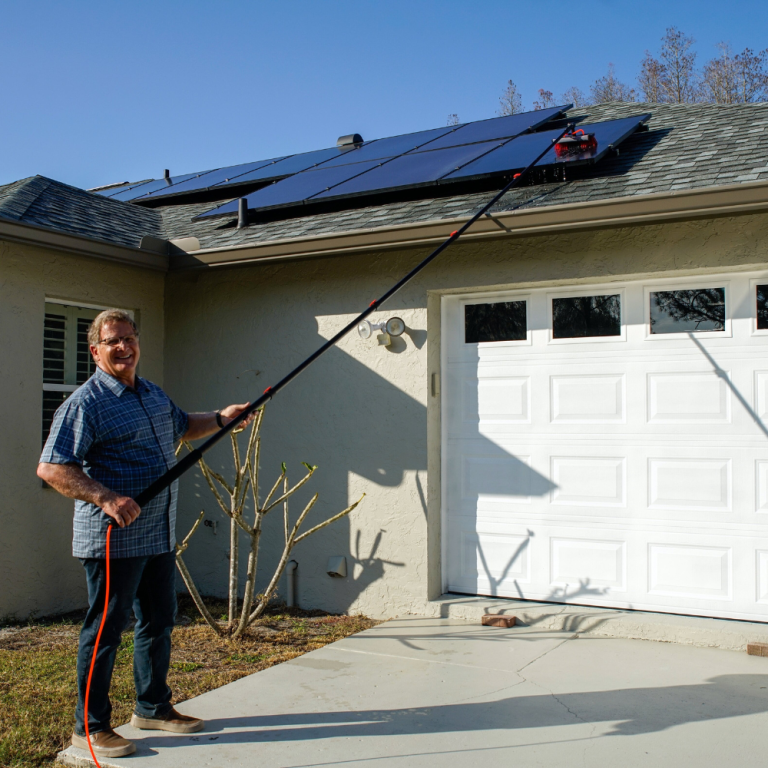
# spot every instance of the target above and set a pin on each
(440, 161)
(442, 156)
(277, 168)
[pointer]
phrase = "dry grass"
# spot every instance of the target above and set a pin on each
(37, 670)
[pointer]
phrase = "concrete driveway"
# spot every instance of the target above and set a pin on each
(439, 692)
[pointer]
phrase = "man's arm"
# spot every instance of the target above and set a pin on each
(70, 480)
(204, 424)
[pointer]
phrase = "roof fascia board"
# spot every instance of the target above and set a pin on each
(637, 209)
(31, 234)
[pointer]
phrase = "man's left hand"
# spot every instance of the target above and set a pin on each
(229, 413)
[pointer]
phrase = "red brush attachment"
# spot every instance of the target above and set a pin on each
(576, 144)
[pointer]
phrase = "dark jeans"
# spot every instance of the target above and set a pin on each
(148, 585)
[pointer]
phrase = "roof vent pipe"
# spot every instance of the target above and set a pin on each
(351, 140)
(167, 177)
(242, 213)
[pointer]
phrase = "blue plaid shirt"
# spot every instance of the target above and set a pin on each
(123, 438)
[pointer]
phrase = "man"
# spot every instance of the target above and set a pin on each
(109, 440)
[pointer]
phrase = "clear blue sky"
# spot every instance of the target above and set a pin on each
(95, 92)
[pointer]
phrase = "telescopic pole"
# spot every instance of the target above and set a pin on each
(192, 458)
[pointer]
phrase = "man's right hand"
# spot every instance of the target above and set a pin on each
(71, 481)
(122, 509)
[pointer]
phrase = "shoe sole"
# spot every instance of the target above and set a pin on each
(81, 743)
(150, 724)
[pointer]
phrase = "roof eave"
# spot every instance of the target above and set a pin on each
(637, 209)
(46, 237)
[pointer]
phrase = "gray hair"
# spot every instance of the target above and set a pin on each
(108, 316)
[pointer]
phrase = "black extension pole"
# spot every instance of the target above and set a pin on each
(192, 458)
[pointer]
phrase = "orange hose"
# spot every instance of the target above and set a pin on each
(95, 650)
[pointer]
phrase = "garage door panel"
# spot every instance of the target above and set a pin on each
(634, 468)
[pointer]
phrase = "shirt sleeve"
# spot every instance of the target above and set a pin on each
(180, 421)
(72, 435)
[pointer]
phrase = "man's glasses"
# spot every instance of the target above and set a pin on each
(115, 341)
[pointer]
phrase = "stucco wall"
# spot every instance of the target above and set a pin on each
(38, 574)
(363, 413)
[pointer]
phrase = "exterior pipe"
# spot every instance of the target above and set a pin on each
(291, 576)
(242, 213)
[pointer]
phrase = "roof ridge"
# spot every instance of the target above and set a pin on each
(21, 199)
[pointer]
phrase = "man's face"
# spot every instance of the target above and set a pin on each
(118, 360)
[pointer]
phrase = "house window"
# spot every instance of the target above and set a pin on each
(67, 361)
(579, 317)
(688, 311)
(499, 321)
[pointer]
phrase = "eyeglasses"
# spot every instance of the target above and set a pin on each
(127, 340)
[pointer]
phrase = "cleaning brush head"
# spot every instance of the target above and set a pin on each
(577, 145)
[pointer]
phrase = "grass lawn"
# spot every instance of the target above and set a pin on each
(37, 669)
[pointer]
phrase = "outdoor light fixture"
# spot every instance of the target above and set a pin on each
(392, 327)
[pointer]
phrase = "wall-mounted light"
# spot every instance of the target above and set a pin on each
(392, 327)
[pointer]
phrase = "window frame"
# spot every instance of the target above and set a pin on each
(689, 285)
(621, 336)
(497, 299)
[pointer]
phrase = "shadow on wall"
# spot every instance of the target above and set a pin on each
(353, 422)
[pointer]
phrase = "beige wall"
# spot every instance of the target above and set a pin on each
(364, 413)
(38, 574)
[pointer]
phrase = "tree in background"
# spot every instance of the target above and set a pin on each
(610, 88)
(651, 79)
(545, 101)
(453, 119)
(679, 84)
(511, 102)
(740, 79)
(669, 78)
(574, 96)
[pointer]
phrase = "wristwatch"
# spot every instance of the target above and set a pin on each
(218, 420)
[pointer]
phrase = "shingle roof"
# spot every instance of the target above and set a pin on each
(687, 146)
(48, 203)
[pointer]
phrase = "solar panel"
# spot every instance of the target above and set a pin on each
(390, 147)
(291, 164)
(522, 151)
(226, 175)
(497, 127)
(297, 188)
(114, 190)
(512, 156)
(410, 170)
(609, 134)
(144, 189)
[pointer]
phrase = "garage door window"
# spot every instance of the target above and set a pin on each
(690, 310)
(762, 307)
(579, 317)
(497, 321)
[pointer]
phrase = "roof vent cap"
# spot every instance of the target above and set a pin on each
(350, 140)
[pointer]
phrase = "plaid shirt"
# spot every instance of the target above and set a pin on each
(123, 438)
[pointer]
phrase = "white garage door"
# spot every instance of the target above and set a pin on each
(608, 445)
